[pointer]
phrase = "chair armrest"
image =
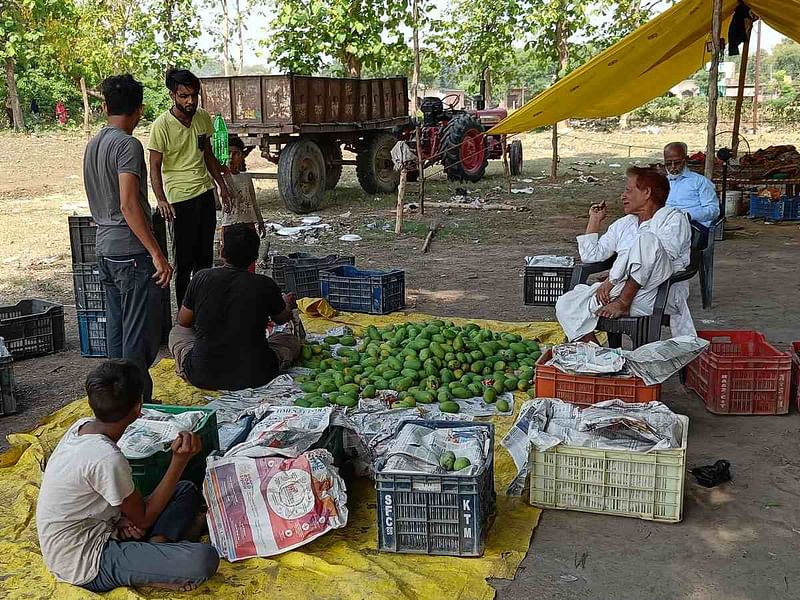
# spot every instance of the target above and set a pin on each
(581, 272)
(684, 275)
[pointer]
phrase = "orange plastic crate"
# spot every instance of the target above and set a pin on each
(589, 389)
(796, 374)
(741, 374)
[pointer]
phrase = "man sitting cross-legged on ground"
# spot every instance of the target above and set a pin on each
(95, 529)
(652, 242)
(220, 341)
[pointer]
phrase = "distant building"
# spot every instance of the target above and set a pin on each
(685, 89)
(464, 101)
(516, 98)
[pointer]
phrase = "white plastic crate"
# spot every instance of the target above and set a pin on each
(612, 482)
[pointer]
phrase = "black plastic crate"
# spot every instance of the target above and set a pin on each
(32, 328)
(89, 292)
(92, 333)
(298, 269)
(303, 279)
(545, 285)
(436, 514)
(82, 239)
(374, 292)
(8, 401)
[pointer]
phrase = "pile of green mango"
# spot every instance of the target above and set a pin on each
(435, 361)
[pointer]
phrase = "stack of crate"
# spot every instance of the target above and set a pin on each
(90, 296)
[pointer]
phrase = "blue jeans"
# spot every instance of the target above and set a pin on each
(133, 311)
(132, 564)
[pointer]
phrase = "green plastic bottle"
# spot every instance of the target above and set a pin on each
(219, 143)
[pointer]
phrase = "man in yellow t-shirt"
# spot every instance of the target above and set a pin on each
(182, 166)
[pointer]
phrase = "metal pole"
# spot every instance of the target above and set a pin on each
(757, 84)
(713, 81)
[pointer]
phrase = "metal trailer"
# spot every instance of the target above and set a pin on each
(302, 123)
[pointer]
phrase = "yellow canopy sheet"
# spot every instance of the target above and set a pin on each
(643, 65)
(343, 564)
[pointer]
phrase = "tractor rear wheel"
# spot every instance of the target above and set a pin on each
(464, 153)
(374, 165)
(515, 157)
(301, 176)
(332, 152)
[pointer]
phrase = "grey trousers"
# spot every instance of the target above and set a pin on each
(132, 563)
(133, 311)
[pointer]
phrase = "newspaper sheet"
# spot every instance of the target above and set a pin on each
(270, 505)
(658, 361)
(610, 425)
(155, 431)
(587, 357)
(283, 431)
(549, 260)
(418, 449)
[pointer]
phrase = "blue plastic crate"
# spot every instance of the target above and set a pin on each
(373, 292)
(92, 333)
(784, 209)
(446, 515)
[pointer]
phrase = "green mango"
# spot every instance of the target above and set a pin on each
(461, 463)
(502, 405)
(449, 407)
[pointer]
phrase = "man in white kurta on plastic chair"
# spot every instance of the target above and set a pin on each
(652, 242)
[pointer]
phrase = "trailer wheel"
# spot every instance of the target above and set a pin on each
(374, 165)
(515, 157)
(464, 153)
(332, 153)
(301, 176)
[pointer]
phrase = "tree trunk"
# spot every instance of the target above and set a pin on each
(623, 121)
(86, 110)
(13, 95)
(562, 48)
(415, 72)
(737, 113)
(353, 65)
(487, 76)
(240, 34)
(226, 37)
(757, 82)
(713, 82)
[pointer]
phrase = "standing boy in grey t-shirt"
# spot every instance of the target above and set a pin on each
(131, 263)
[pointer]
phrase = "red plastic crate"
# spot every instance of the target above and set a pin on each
(796, 374)
(589, 389)
(741, 374)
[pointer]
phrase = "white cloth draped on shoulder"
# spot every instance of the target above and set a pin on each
(649, 252)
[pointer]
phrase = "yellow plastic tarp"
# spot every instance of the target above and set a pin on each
(342, 564)
(643, 65)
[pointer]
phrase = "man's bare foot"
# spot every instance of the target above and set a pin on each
(614, 309)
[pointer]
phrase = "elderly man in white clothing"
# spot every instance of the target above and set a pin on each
(652, 242)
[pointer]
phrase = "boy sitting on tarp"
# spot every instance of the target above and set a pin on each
(95, 529)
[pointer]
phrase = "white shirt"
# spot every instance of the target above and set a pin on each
(670, 225)
(244, 208)
(84, 484)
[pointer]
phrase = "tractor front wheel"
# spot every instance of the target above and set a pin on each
(301, 176)
(464, 152)
(515, 157)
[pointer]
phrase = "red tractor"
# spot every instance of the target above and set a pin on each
(457, 138)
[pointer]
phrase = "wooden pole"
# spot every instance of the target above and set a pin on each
(401, 193)
(713, 82)
(737, 113)
(506, 168)
(421, 169)
(86, 111)
(757, 83)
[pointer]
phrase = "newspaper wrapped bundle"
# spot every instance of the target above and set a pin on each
(270, 505)
(154, 431)
(609, 425)
(284, 431)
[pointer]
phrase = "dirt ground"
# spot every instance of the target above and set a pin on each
(738, 541)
